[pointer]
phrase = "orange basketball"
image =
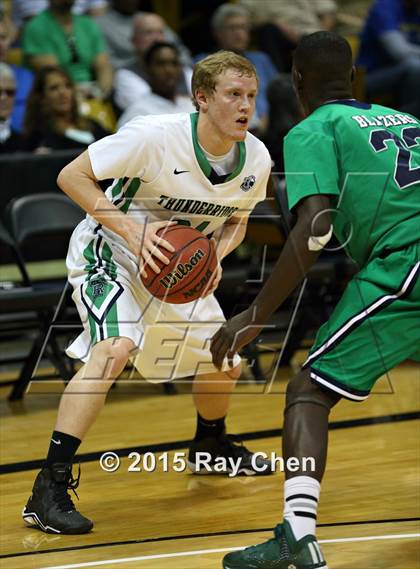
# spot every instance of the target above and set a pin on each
(190, 269)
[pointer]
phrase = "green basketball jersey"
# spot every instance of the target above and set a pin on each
(367, 157)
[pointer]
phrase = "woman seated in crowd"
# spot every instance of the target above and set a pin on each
(52, 120)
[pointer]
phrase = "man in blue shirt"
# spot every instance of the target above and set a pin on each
(231, 25)
(23, 77)
(390, 51)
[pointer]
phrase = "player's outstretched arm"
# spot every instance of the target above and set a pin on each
(298, 255)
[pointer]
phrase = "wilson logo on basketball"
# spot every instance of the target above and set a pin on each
(182, 270)
(192, 292)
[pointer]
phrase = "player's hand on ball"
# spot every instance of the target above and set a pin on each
(232, 336)
(144, 244)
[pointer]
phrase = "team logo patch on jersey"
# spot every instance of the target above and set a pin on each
(248, 182)
(98, 288)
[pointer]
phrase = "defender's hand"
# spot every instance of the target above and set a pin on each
(233, 336)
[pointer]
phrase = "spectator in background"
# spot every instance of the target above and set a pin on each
(132, 82)
(10, 140)
(231, 26)
(117, 26)
(52, 120)
(390, 52)
(163, 67)
(284, 114)
(75, 43)
(23, 10)
(281, 24)
(23, 77)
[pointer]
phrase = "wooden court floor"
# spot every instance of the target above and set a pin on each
(370, 501)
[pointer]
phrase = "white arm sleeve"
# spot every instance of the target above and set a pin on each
(129, 88)
(135, 151)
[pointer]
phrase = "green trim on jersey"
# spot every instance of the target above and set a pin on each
(116, 189)
(201, 157)
(121, 197)
(129, 194)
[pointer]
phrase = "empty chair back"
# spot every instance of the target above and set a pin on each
(41, 224)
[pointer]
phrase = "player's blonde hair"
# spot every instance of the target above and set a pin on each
(207, 71)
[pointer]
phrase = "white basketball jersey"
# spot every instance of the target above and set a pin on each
(161, 173)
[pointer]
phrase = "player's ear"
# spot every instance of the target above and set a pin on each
(202, 99)
(297, 79)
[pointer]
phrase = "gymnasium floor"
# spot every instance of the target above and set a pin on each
(370, 502)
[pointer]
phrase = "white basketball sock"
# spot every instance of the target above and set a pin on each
(301, 496)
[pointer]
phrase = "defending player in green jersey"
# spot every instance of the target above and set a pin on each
(352, 169)
(366, 158)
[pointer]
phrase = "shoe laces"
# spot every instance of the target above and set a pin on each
(276, 541)
(234, 446)
(61, 495)
(256, 548)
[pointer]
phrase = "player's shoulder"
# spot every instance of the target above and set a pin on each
(383, 111)
(155, 125)
(257, 152)
(256, 146)
(310, 128)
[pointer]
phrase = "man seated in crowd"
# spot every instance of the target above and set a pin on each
(163, 68)
(10, 140)
(24, 10)
(23, 77)
(117, 27)
(75, 43)
(281, 25)
(390, 52)
(231, 26)
(132, 82)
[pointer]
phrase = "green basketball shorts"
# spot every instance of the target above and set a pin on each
(374, 327)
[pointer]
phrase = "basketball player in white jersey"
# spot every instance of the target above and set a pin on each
(204, 170)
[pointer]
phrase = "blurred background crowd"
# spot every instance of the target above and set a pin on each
(72, 71)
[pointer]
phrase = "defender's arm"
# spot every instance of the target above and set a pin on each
(302, 248)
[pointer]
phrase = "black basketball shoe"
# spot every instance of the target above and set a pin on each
(50, 507)
(222, 456)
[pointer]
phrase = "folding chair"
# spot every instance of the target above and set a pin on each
(40, 227)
